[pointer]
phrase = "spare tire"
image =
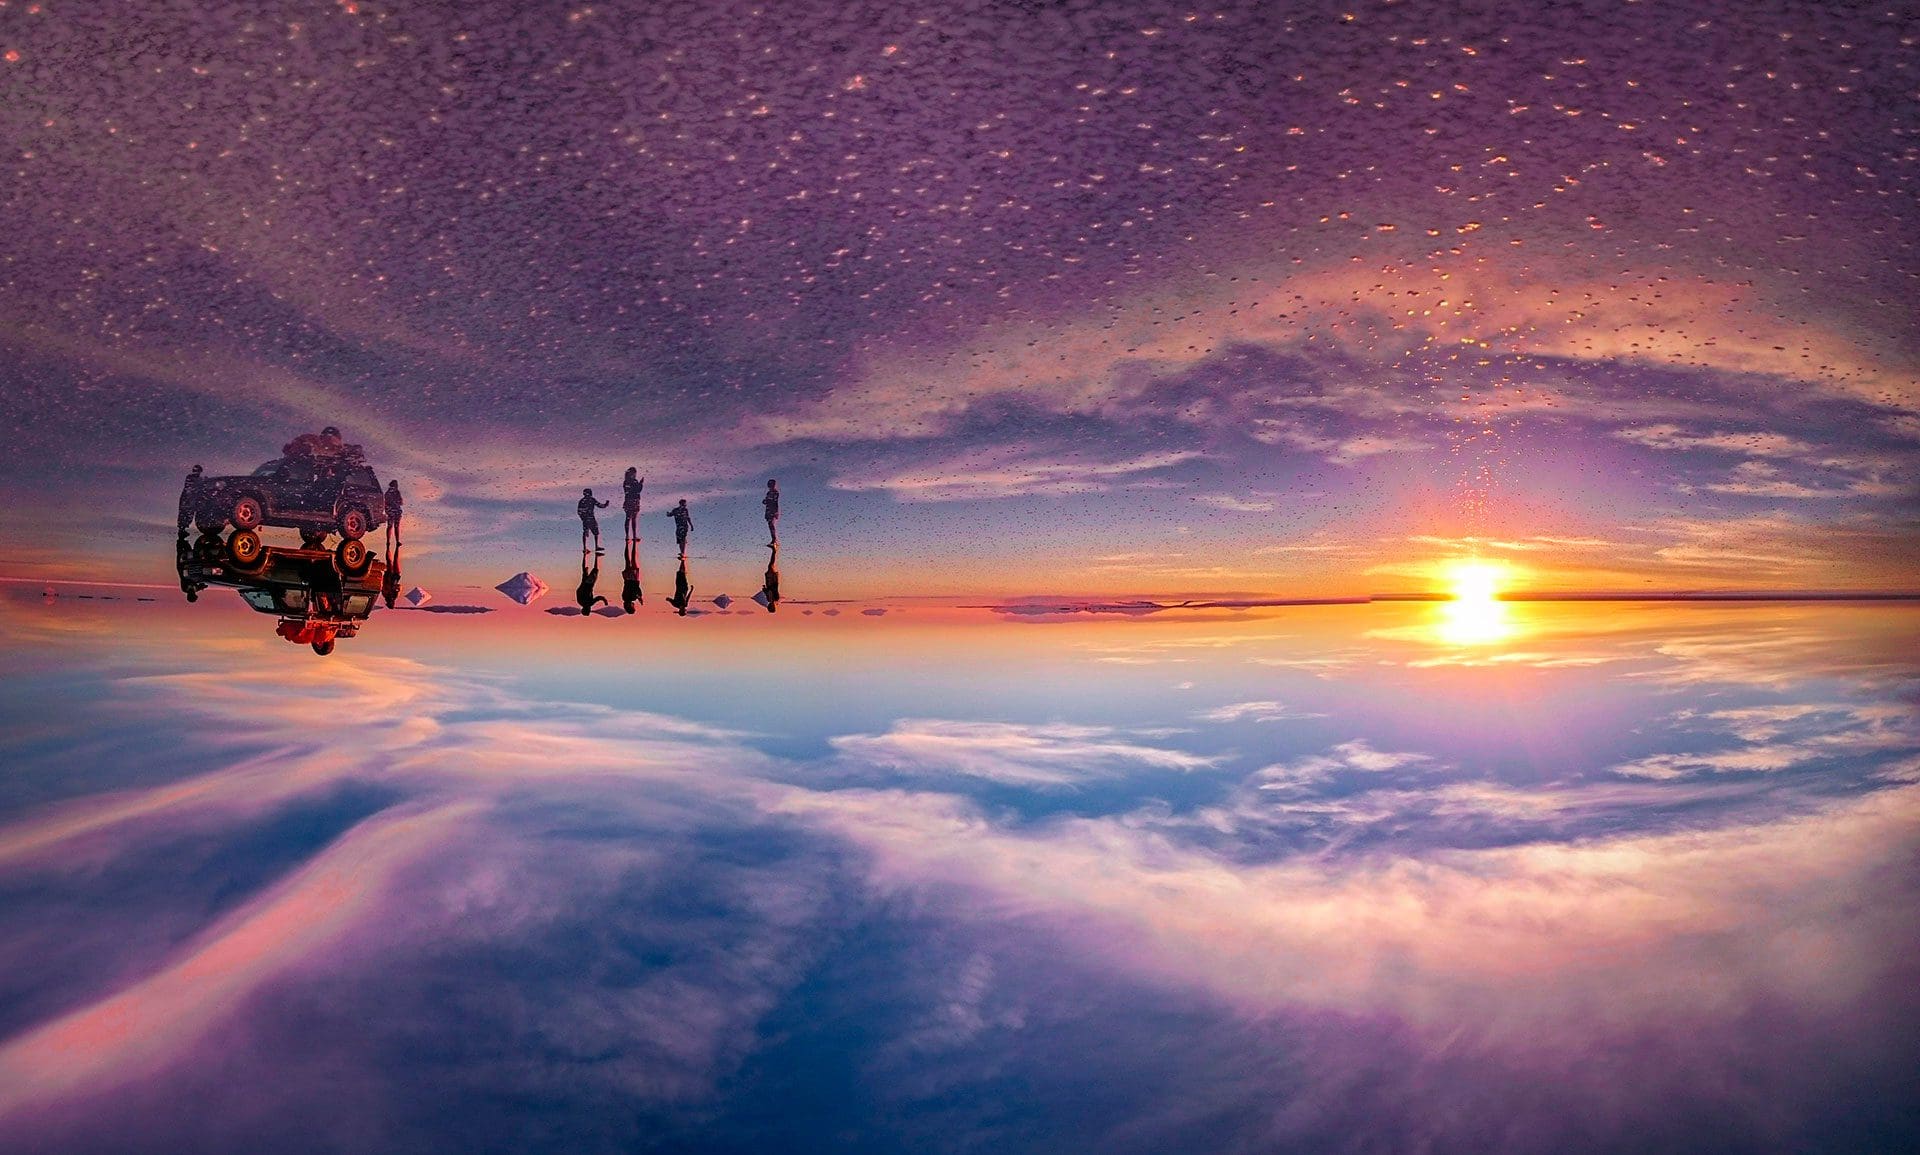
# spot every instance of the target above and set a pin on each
(354, 523)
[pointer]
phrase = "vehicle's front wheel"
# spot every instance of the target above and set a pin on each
(244, 549)
(248, 512)
(353, 523)
(323, 648)
(351, 557)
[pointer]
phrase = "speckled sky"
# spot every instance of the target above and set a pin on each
(1013, 297)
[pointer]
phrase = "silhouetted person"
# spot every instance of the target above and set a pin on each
(589, 524)
(584, 594)
(390, 584)
(771, 502)
(682, 589)
(394, 505)
(682, 525)
(630, 487)
(191, 493)
(630, 595)
(182, 557)
(770, 584)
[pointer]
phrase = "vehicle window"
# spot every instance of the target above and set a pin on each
(359, 604)
(300, 471)
(295, 599)
(258, 599)
(363, 478)
(269, 469)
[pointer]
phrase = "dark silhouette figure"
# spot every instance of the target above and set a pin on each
(630, 595)
(682, 525)
(682, 589)
(393, 503)
(390, 585)
(630, 486)
(192, 492)
(584, 595)
(770, 584)
(183, 555)
(771, 502)
(589, 524)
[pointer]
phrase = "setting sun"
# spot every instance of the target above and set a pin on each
(1475, 615)
(1476, 580)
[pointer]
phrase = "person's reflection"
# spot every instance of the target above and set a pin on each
(770, 584)
(584, 595)
(682, 589)
(390, 585)
(630, 595)
(183, 557)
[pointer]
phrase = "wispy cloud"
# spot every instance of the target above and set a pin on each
(1005, 471)
(1777, 738)
(1262, 711)
(1048, 756)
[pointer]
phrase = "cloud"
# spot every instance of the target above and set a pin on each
(1348, 757)
(1263, 711)
(1757, 443)
(1005, 471)
(1777, 738)
(1042, 756)
(1454, 942)
(134, 1032)
(1234, 504)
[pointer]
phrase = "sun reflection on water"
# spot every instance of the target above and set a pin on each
(1475, 616)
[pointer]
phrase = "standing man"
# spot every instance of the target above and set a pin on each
(771, 502)
(393, 503)
(682, 525)
(630, 502)
(589, 524)
(190, 495)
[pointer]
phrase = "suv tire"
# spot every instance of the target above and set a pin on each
(352, 558)
(244, 549)
(248, 513)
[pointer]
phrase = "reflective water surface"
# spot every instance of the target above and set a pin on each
(1377, 877)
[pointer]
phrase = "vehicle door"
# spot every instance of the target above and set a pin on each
(300, 487)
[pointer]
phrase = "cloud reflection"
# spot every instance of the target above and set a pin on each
(589, 905)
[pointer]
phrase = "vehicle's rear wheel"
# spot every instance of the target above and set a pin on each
(351, 557)
(244, 549)
(353, 523)
(323, 648)
(248, 513)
